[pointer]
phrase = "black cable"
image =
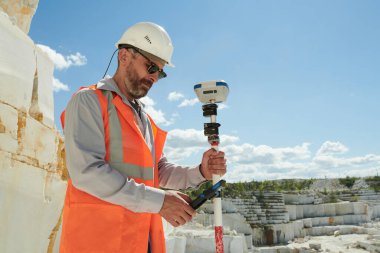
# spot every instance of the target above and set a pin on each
(109, 63)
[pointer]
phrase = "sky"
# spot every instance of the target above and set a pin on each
(304, 77)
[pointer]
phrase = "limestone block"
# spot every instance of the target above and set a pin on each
(233, 221)
(318, 231)
(320, 221)
(42, 105)
(344, 208)
(17, 65)
(355, 219)
(375, 211)
(175, 244)
(237, 222)
(292, 210)
(238, 244)
(344, 230)
(299, 212)
(170, 241)
(373, 231)
(289, 231)
(300, 199)
(329, 209)
(31, 202)
(206, 244)
(313, 211)
(359, 207)
(228, 206)
(248, 241)
(337, 220)
(167, 227)
(307, 223)
(8, 128)
(20, 12)
(297, 228)
(316, 246)
(327, 221)
(38, 141)
(369, 246)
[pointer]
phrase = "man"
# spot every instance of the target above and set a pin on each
(114, 156)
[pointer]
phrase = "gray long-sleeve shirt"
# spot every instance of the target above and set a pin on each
(89, 172)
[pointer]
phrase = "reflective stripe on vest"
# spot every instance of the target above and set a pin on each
(116, 159)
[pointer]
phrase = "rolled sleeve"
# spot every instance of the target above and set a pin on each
(178, 177)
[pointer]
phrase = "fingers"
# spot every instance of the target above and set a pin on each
(176, 209)
(179, 218)
(213, 162)
(217, 164)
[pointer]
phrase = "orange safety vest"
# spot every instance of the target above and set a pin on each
(91, 225)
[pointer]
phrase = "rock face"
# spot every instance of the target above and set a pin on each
(270, 218)
(20, 12)
(32, 169)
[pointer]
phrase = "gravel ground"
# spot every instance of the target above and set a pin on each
(342, 243)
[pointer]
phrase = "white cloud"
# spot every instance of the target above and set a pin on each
(248, 162)
(175, 96)
(58, 85)
(183, 143)
(157, 115)
(222, 106)
(330, 148)
(188, 102)
(61, 62)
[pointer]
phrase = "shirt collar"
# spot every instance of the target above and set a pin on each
(110, 85)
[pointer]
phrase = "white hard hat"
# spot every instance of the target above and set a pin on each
(150, 38)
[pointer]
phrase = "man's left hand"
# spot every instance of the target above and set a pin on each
(213, 162)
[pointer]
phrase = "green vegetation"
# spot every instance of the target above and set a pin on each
(348, 181)
(374, 183)
(332, 197)
(245, 189)
(194, 193)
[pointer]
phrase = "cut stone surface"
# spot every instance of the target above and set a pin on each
(42, 105)
(8, 128)
(17, 65)
(31, 201)
(20, 12)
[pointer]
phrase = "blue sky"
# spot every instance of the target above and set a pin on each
(303, 75)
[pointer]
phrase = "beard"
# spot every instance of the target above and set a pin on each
(136, 87)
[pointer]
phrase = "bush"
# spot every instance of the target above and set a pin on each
(348, 181)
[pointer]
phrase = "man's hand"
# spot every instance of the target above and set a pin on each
(176, 209)
(213, 162)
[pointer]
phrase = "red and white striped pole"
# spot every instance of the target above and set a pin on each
(218, 223)
(210, 93)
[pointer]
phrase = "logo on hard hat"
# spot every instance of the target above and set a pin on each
(147, 39)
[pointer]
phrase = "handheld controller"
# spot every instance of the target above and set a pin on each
(210, 193)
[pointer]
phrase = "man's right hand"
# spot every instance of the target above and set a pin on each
(176, 209)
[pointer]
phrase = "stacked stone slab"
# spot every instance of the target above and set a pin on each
(368, 196)
(302, 199)
(273, 205)
(250, 209)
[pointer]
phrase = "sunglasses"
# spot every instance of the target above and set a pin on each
(152, 67)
